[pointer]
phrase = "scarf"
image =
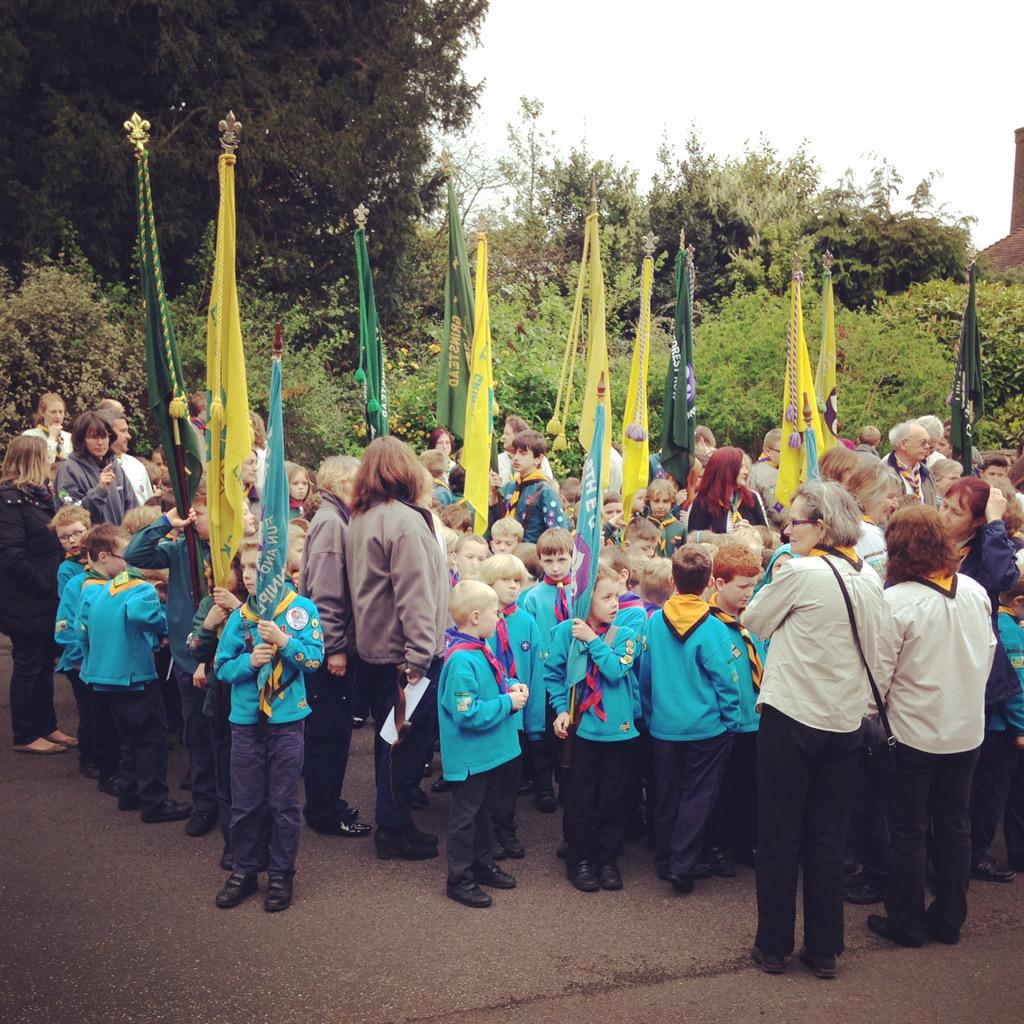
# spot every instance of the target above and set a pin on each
(845, 553)
(943, 582)
(629, 600)
(732, 521)
(40, 493)
(662, 548)
(295, 505)
(506, 655)
(1005, 609)
(561, 599)
(592, 683)
(75, 556)
(456, 640)
(756, 665)
(684, 613)
(271, 687)
(912, 477)
(521, 482)
(965, 549)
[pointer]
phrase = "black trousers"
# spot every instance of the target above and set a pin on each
(596, 811)
(1013, 820)
(506, 789)
(868, 836)
(98, 743)
(990, 789)
(328, 738)
(928, 793)
(32, 713)
(733, 823)
(142, 727)
(805, 784)
(199, 742)
(543, 754)
(469, 838)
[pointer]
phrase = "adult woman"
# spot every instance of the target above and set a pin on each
(724, 501)
(515, 425)
(48, 424)
(877, 492)
(937, 656)
(441, 440)
(813, 697)
(398, 584)
(29, 556)
(330, 690)
(91, 477)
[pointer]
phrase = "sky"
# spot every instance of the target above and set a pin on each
(928, 86)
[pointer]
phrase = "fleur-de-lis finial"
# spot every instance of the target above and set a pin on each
(360, 213)
(138, 132)
(446, 162)
(826, 261)
(593, 191)
(682, 238)
(649, 241)
(230, 128)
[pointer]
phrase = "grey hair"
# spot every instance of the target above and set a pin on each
(901, 432)
(775, 434)
(871, 480)
(335, 470)
(835, 508)
(933, 425)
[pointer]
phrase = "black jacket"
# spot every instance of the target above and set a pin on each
(29, 556)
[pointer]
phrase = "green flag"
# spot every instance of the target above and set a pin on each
(371, 348)
(457, 337)
(968, 399)
(679, 410)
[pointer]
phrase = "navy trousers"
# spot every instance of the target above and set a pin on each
(733, 823)
(198, 742)
(32, 713)
(993, 777)
(141, 724)
(328, 738)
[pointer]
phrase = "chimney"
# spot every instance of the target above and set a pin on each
(1017, 212)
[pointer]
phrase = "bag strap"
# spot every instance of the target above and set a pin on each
(889, 738)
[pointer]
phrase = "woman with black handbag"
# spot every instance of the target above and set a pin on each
(938, 656)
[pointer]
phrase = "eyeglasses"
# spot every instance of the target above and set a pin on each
(804, 522)
(76, 535)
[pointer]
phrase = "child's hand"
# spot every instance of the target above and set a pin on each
(520, 686)
(215, 617)
(581, 631)
(199, 677)
(518, 699)
(179, 522)
(562, 725)
(271, 633)
(223, 598)
(262, 654)
(108, 476)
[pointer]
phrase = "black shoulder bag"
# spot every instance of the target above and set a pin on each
(881, 750)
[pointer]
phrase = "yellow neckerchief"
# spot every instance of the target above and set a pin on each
(912, 477)
(867, 519)
(521, 482)
(943, 582)
(270, 689)
(756, 665)
(846, 553)
(684, 613)
(661, 524)
(440, 483)
(125, 581)
(1007, 610)
(737, 516)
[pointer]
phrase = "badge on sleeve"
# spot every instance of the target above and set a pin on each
(297, 618)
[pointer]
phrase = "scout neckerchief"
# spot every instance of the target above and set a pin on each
(506, 655)
(847, 554)
(650, 607)
(456, 640)
(440, 483)
(661, 524)
(943, 582)
(629, 600)
(561, 598)
(1006, 609)
(684, 613)
(756, 665)
(521, 482)
(271, 688)
(912, 477)
(296, 506)
(126, 580)
(763, 458)
(72, 556)
(736, 515)
(592, 682)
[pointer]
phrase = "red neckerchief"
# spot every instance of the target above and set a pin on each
(630, 601)
(593, 683)
(505, 653)
(562, 600)
(465, 642)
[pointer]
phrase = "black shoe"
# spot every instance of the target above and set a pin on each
(279, 892)
(582, 876)
(609, 877)
(108, 786)
(881, 927)
(90, 771)
(200, 823)
(770, 963)
(681, 883)
(823, 967)
(545, 802)
(128, 803)
(469, 894)
(863, 891)
(346, 829)
(394, 844)
(440, 785)
(562, 850)
(419, 836)
(227, 862)
(525, 787)
(720, 864)
(357, 722)
(418, 800)
(512, 847)
(989, 871)
(169, 810)
(237, 887)
(186, 782)
(491, 875)
(702, 869)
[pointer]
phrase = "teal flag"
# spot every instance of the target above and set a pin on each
(679, 410)
(967, 403)
(273, 535)
(371, 347)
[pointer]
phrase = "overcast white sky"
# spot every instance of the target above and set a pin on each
(929, 86)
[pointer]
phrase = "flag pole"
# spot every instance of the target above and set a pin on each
(190, 530)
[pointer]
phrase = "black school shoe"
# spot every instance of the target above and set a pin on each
(990, 871)
(402, 844)
(440, 785)
(107, 785)
(169, 810)
(881, 927)
(823, 967)
(468, 893)
(545, 802)
(344, 829)
(609, 877)
(863, 891)
(583, 877)
(279, 892)
(770, 963)
(681, 883)
(237, 887)
(720, 864)
(201, 822)
(493, 876)
(511, 847)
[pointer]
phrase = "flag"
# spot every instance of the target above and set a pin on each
(967, 401)
(597, 389)
(801, 428)
(371, 347)
(588, 537)
(456, 338)
(635, 429)
(228, 430)
(825, 379)
(479, 425)
(680, 407)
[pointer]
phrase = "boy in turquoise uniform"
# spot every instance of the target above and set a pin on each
(595, 807)
(732, 828)
(476, 705)
(121, 626)
(661, 499)
(549, 604)
(531, 497)
(689, 690)
(640, 538)
(70, 523)
(267, 726)
(516, 644)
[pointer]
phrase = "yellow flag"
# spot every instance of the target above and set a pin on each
(635, 430)
(801, 428)
(825, 380)
(597, 352)
(228, 432)
(476, 450)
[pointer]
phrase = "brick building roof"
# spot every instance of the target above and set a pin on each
(1007, 253)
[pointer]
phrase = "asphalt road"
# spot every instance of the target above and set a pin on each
(104, 919)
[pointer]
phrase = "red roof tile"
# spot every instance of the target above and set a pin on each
(1007, 253)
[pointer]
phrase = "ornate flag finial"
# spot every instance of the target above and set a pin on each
(650, 240)
(278, 340)
(230, 128)
(593, 191)
(826, 261)
(682, 238)
(138, 132)
(446, 162)
(360, 213)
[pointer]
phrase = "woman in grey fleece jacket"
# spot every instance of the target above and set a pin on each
(91, 477)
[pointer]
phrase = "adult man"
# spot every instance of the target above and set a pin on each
(868, 441)
(910, 447)
(764, 475)
(133, 469)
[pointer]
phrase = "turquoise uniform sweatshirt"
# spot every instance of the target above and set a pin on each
(689, 689)
(66, 630)
(478, 729)
(615, 667)
(1010, 714)
(750, 720)
(66, 571)
(539, 601)
(524, 639)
